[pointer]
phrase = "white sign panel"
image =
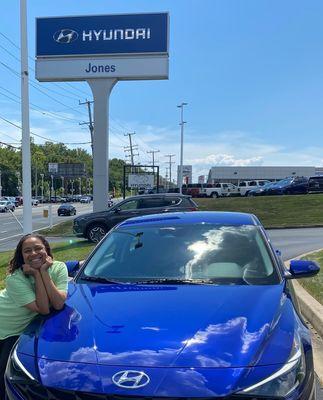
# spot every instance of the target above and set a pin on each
(140, 181)
(78, 69)
(53, 168)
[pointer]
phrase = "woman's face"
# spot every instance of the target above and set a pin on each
(34, 252)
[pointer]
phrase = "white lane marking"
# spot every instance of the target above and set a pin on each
(3, 231)
(8, 223)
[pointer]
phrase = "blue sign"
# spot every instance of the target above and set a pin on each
(102, 34)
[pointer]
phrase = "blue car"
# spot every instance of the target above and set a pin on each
(181, 305)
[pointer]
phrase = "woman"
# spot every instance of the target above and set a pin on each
(35, 284)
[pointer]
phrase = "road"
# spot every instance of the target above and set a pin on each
(10, 229)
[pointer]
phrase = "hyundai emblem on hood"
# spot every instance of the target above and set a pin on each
(65, 36)
(130, 379)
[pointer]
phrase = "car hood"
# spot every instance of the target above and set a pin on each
(167, 326)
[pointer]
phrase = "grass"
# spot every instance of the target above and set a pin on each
(314, 285)
(63, 229)
(273, 211)
(61, 251)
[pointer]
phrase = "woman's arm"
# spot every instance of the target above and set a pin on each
(41, 304)
(56, 297)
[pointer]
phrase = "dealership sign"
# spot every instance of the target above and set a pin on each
(123, 46)
(140, 181)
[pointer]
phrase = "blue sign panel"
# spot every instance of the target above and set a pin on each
(102, 34)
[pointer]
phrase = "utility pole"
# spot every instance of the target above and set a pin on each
(180, 177)
(90, 123)
(0, 185)
(153, 154)
(170, 167)
(131, 148)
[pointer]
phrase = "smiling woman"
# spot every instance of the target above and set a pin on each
(35, 283)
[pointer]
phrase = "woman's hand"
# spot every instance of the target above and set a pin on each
(47, 264)
(29, 270)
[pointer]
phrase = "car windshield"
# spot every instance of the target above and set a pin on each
(200, 253)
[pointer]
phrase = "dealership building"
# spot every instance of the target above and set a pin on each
(236, 174)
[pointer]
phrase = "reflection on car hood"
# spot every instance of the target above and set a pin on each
(163, 326)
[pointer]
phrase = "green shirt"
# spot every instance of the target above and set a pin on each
(19, 291)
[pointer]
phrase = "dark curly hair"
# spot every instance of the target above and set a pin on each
(17, 260)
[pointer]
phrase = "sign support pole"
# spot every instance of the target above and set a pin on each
(101, 89)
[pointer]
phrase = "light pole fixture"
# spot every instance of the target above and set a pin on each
(180, 177)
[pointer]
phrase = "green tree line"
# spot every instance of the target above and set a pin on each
(41, 156)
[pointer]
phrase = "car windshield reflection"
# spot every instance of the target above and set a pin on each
(190, 254)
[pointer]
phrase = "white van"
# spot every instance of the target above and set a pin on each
(244, 187)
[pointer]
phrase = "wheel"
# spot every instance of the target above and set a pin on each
(96, 232)
(214, 195)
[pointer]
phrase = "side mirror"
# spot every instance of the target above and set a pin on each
(302, 269)
(72, 267)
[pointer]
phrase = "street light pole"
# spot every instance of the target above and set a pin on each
(180, 178)
(62, 178)
(42, 188)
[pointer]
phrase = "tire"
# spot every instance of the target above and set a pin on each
(96, 232)
(214, 195)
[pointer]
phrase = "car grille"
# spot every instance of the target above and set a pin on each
(38, 392)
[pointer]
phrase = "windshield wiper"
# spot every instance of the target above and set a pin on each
(99, 279)
(167, 281)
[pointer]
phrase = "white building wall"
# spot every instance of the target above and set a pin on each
(236, 174)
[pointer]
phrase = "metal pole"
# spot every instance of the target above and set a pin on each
(0, 186)
(42, 188)
(62, 177)
(25, 145)
(180, 178)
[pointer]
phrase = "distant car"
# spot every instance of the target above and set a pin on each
(34, 202)
(13, 200)
(94, 226)
(85, 199)
(173, 306)
(8, 204)
(260, 190)
(315, 184)
(3, 206)
(66, 209)
(291, 185)
(244, 187)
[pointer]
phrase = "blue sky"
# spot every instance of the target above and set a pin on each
(251, 72)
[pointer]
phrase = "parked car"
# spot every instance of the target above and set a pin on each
(261, 190)
(315, 184)
(222, 189)
(85, 199)
(173, 306)
(3, 206)
(66, 209)
(94, 226)
(34, 202)
(13, 200)
(8, 204)
(244, 187)
(292, 185)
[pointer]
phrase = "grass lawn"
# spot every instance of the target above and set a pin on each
(273, 211)
(61, 252)
(314, 285)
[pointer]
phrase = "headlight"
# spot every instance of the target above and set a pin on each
(286, 379)
(18, 372)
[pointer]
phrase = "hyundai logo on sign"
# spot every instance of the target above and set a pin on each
(65, 36)
(102, 35)
(130, 379)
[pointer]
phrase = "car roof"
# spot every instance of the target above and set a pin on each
(151, 196)
(183, 218)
